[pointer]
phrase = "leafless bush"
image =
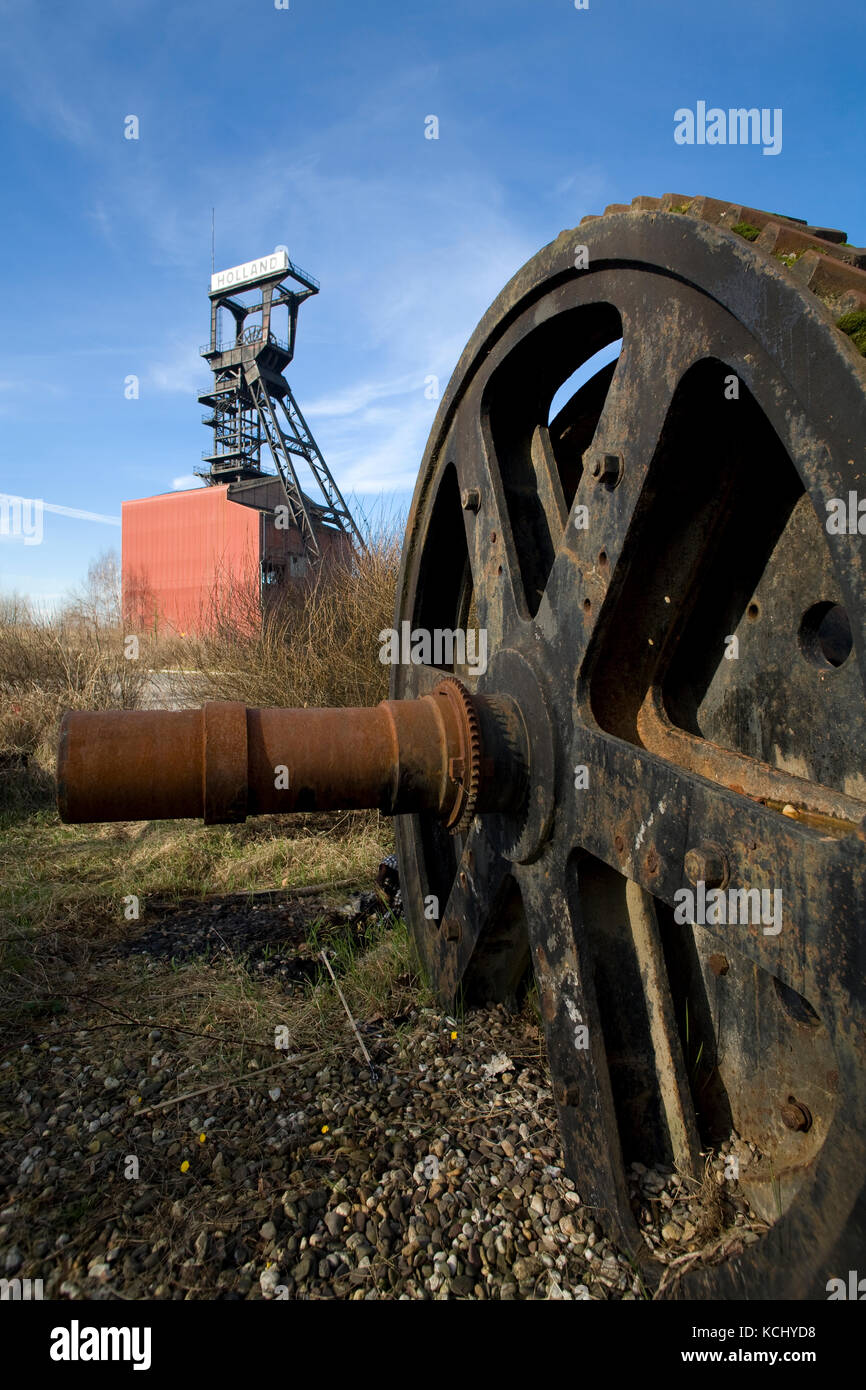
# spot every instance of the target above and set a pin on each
(316, 644)
(15, 608)
(97, 601)
(47, 666)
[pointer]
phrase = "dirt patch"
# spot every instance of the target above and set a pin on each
(271, 935)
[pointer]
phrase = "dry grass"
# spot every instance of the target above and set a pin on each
(223, 1012)
(48, 666)
(233, 1015)
(317, 645)
(58, 877)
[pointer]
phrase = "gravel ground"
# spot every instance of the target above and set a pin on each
(439, 1177)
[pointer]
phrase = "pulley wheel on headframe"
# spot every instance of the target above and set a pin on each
(672, 602)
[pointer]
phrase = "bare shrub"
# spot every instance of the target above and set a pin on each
(47, 666)
(317, 642)
(97, 601)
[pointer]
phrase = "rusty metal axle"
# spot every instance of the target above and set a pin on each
(448, 752)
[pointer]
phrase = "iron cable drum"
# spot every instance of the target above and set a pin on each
(649, 549)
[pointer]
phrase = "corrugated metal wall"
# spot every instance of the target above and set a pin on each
(184, 555)
(191, 556)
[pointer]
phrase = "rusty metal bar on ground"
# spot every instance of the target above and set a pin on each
(447, 752)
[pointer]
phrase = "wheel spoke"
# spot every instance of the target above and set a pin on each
(671, 1075)
(648, 814)
(547, 482)
(477, 944)
(493, 560)
(610, 509)
(576, 1047)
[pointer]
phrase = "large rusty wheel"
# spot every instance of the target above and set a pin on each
(685, 641)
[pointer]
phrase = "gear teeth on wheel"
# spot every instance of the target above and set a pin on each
(472, 772)
(818, 258)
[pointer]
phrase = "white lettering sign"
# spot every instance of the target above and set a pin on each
(251, 271)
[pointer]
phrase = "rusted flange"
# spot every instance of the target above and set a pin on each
(224, 762)
(464, 768)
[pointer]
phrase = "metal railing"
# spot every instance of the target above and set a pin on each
(249, 336)
(303, 275)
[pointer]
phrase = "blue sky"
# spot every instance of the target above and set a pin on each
(305, 127)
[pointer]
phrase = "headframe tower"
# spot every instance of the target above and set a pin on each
(251, 403)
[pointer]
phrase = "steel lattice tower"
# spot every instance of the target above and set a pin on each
(251, 402)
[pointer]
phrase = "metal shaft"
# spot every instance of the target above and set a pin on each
(447, 752)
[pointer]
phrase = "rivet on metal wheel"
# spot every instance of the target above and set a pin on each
(470, 499)
(707, 864)
(608, 469)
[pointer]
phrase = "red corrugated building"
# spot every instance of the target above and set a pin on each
(190, 557)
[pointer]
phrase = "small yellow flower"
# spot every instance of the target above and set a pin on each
(453, 1037)
(185, 1165)
(325, 1128)
(202, 1137)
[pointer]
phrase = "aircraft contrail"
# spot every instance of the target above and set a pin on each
(79, 514)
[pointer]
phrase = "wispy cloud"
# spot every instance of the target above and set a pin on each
(411, 245)
(180, 370)
(381, 458)
(358, 396)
